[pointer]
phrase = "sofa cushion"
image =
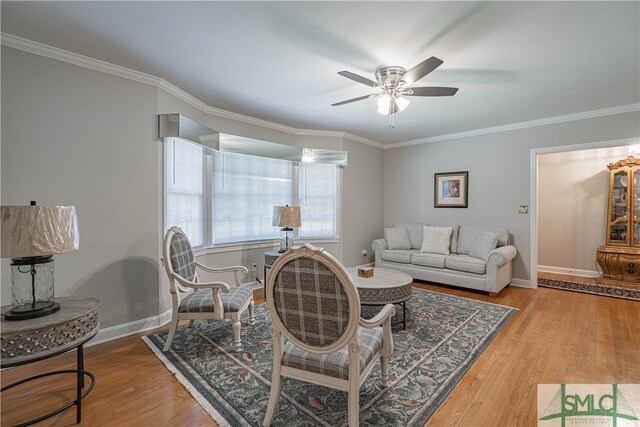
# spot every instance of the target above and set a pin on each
(403, 256)
(415, 233)
(483, 245)
(397, 238)
(455, 229)
(466, 263)
(436, 240)
(428, 260)
(469, 233)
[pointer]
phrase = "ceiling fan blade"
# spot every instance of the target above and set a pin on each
(360, 98)
(421, 70)
(357, 78)
(430, 91)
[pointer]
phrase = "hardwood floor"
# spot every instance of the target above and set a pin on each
(555, 337)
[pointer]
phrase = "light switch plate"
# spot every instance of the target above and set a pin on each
(523, 209)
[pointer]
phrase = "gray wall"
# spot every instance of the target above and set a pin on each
(568, 238)
(74, 136)
(499, 175)
(363, 202)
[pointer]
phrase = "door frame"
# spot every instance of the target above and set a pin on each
(533, 202)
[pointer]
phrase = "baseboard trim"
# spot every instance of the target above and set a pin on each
(522, 283)
(137, 326)
(370, 264)
(120, 331)
(569, 271)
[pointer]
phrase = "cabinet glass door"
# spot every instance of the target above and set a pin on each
(618, 220)
(635, 203)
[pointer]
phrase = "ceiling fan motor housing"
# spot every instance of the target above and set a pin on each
(389, 77)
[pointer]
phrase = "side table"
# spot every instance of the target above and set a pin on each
(28, 341)
(384, 287)
(269, 258)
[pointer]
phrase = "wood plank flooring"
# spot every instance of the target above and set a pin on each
(555, 337)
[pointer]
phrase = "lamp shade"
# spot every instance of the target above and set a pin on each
(286, 216)
(31, 231)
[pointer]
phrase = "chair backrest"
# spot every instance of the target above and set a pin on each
(312, 300)
(178, 255)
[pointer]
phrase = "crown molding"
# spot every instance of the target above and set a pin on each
(521, 125)
(20, 43)
(41, 49)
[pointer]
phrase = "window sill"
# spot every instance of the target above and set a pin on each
(265, 244)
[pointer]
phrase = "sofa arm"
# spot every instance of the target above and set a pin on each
(499, 268)
(501, 255)
(378, 246)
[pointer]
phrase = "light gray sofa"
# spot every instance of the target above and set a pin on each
(458, 268)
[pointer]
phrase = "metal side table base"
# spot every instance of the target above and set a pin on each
(28, 341)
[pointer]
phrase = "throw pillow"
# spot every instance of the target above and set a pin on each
(436, 240)
(483, 244)
(454, 239)
(397, 238)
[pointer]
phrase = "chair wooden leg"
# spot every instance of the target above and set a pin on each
(172, 329)
(237, 343)
(354, 404)
(191, 322)
(274, 396)
(252, 317)
(384, 369)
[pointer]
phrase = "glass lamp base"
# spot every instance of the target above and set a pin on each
(31, 288)
(286, 239)
(32, 311)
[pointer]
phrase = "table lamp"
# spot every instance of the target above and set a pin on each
(286, 217)
(31, 235)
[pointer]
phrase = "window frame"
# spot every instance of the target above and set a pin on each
(209, 248)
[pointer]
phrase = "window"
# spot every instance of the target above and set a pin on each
(184, 189)
(220, 197)
(318, 201)
(245, 189)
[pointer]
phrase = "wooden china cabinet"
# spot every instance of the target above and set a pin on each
(619, 257)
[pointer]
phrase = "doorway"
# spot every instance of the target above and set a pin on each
(577, 230)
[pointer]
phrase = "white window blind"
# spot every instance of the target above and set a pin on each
(184, 188)
(318, 199)
(245, 190)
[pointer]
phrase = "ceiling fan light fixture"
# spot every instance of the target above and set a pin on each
(383, 104)
(402, 103)
(393, 82)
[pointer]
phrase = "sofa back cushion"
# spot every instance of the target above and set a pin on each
(454, 239)
(415, 233)
(436, 240)
(469, 233)
(397, 238)
(483, 245)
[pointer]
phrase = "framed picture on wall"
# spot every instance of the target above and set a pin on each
(451, 190)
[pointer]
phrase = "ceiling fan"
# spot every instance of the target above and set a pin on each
(395, 82)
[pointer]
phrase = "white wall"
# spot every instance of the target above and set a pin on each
(572, 207)
(75, 136)
(499, 175)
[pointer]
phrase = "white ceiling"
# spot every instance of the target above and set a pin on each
(277, 61)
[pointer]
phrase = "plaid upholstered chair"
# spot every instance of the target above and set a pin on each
(194, 300)
(318, 335)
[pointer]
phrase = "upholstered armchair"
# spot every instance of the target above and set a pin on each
(318, 335)
(195, 300)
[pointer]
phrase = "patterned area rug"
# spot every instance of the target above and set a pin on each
(445, 335)
(590, 288)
